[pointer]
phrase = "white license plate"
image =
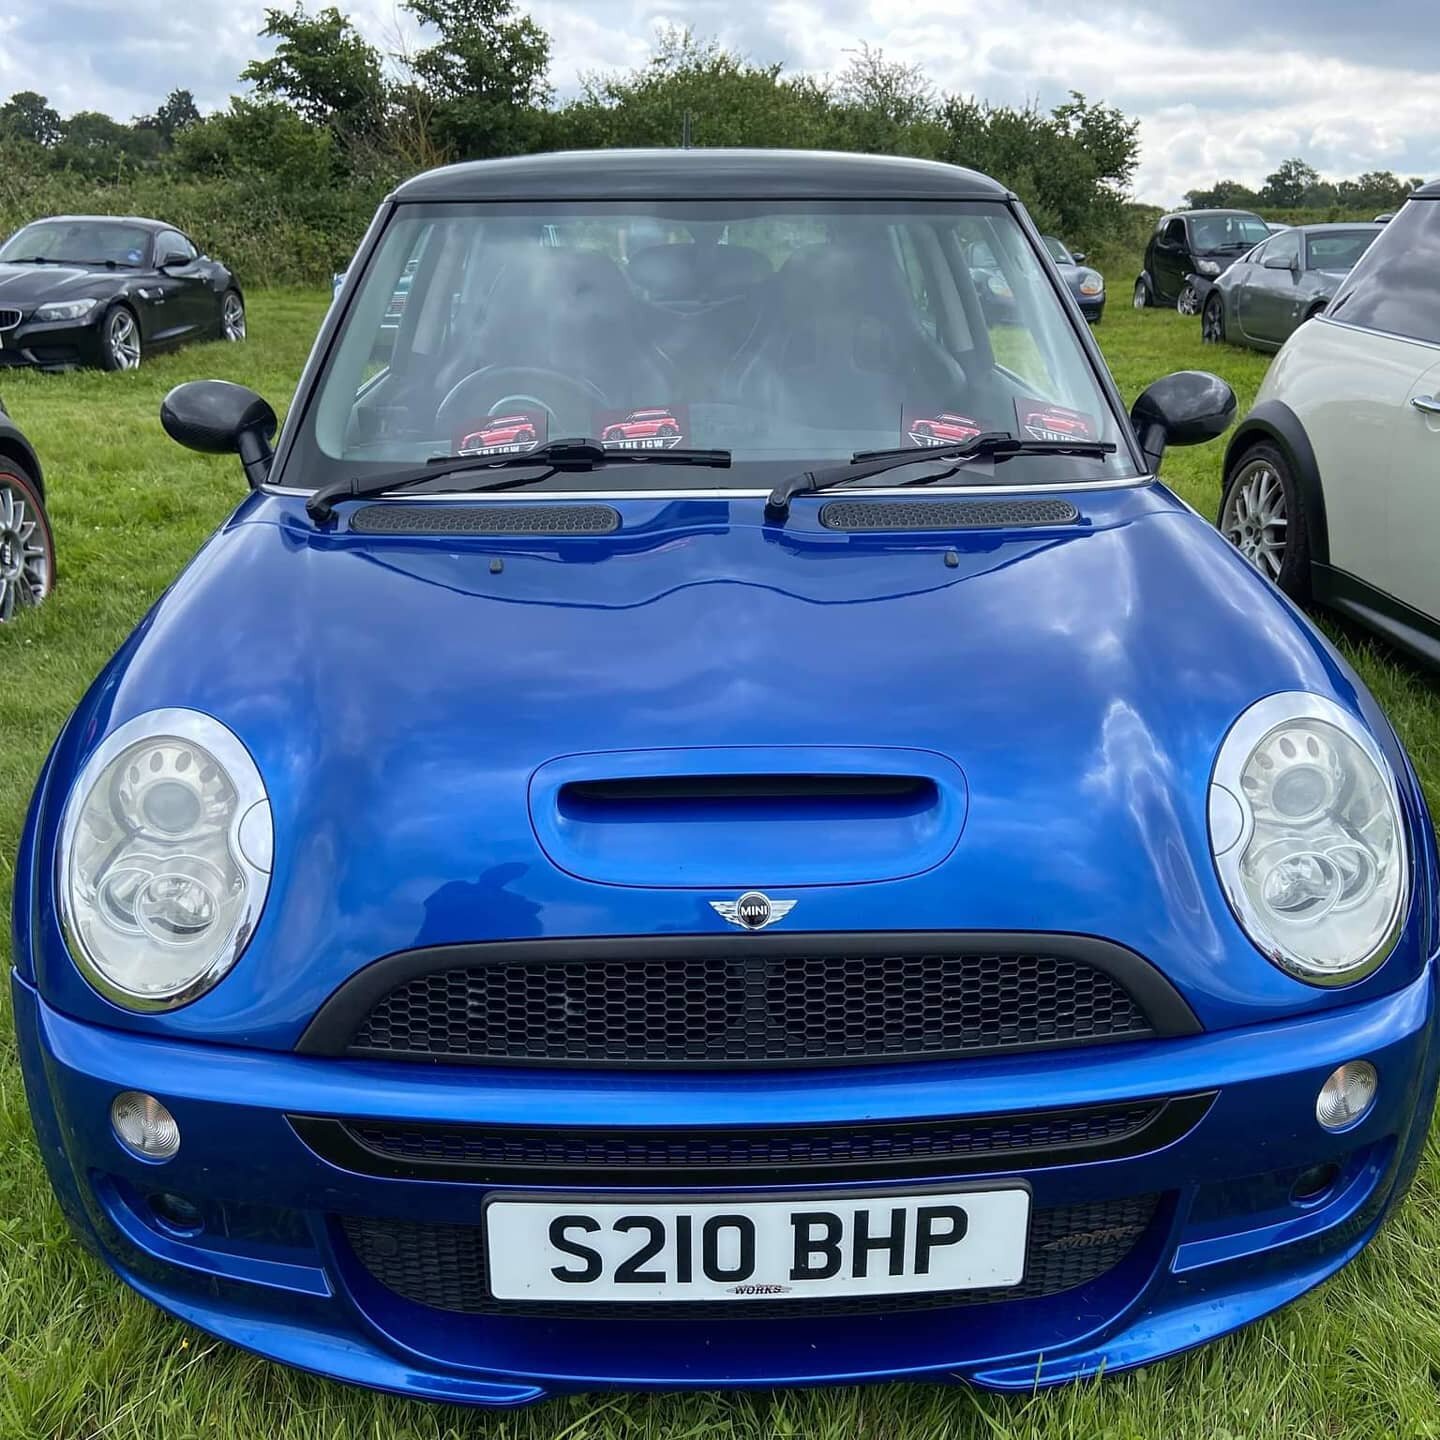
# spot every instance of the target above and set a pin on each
(663, 1248)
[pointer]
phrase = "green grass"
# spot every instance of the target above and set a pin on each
(82, 1357)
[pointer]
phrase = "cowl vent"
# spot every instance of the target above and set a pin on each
(486, 520)
(945, 514)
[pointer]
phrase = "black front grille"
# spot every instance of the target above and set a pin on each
(9, 319)
(443, 1267)
(748, 1005)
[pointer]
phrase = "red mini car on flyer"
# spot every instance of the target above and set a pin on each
(643, 425)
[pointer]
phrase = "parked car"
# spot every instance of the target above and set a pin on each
(1276, 226)
(776, 911)
(1193, 242)
(1086, 284)
(27, 546)
(97, 290)
(1330, 481)
(516, 432)
(1261, 299)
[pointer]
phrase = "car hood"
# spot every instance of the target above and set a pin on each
(416, 704)
(27, 285)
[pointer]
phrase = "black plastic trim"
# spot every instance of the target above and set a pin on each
(1279, 424)
(390, 518)
(853, 515)
(334, 1141)
(1413, 631)
(342, 1014)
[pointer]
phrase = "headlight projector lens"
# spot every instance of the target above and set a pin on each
(165, 857)
(1308, 838)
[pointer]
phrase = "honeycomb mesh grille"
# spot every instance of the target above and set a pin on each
(443, 1267)
(486, 519)
(945, 514)
(717, 1152)
(749, 1009)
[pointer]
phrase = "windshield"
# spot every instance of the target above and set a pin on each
(1227, 232)
(95, 242)
(788, 334)
(1058, 252)
(1337, 250)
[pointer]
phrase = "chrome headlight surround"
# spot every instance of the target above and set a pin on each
(167, 823)
(1335, 838)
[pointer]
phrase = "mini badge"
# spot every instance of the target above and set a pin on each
(923, 429)
(753, 910)
(512, 434)
(1039, 420)
(662, 427)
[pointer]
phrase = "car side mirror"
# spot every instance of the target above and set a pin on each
(218, 418)
(1277, 262)
(174, 257)
(1078, 256)
(1186, 408)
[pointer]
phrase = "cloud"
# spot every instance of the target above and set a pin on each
(1347, 87)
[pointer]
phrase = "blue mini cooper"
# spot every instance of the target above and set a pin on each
(710, 823)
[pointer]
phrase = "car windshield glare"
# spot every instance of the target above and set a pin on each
(78, 242)
(786, 333)
(1226, 232)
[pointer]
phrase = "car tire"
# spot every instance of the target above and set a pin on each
(1262, 514)
(1188, 301)
(1212, 320)
(120, 346)
(1141, 298)
(232, 317)
(27, 544)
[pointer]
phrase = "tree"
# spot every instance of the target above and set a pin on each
(1223, 195)
(263, 139)
(28, 116)
(486, 74)
(96, 145)
(178, 111)
(323, 68)
(1287, 185)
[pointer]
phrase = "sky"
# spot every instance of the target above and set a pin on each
(1225, 88)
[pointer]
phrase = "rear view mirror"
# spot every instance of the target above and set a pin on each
(1186, 408)
(218, 418)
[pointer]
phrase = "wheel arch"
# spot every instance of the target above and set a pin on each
(1276, 423)
(17, 449)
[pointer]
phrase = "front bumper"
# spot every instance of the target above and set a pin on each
(1092, 307)
(272, 1269)
(57, 345)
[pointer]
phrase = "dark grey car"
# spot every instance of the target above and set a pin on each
(1086, 283)
(1276, 287)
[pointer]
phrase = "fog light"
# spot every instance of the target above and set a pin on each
(144, 1126)
(1347, 1095)
(175, 1212)
(1314, 1184)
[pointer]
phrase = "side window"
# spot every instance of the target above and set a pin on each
(1258, 254)
(1394, 288)
(1174, 232)
(170, 242)
(1284, 248)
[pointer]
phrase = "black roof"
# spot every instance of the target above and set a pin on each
(1428, 192)
(1213, 210)
(701, 174)
(144, 224)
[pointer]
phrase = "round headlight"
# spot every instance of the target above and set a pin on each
(1091, 283)
(1306, 830)
(165, 852)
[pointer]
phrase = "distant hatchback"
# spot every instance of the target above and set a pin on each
(1266, 295)
(100, 291)
(1193, 242)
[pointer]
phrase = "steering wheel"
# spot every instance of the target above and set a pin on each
(567, 401)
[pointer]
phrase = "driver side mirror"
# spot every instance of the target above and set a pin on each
(1278, 262)
(218, 418)
(1186, 408)
(171, 257)
(1078, 256)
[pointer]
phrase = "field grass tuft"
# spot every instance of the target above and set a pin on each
(83, 1359)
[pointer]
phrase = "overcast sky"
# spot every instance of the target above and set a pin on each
(1229, 87)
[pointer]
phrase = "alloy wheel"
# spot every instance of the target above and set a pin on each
(1142, 296)
(25, 575)
(1212, 321)
(232, 317)
(123, 336)
(1254, 521)
(1189, 301)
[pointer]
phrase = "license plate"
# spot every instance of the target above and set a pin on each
(739, 1248)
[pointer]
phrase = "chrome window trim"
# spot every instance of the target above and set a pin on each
(1379, 334)
(1226, 795)
(250, 793)
(529, 497)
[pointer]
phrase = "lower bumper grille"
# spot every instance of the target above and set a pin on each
(443, 1267)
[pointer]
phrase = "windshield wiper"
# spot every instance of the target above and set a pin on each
(992, 445)
(555, 456)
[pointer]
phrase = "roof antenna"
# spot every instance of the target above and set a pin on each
(685, 132)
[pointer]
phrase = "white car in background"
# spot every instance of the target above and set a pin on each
(1332, 482)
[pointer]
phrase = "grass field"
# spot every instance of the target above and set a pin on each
(82, 1357)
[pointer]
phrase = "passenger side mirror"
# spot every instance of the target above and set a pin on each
(1078, 256)
(1278, 262)
(1186, 408)
(172, 257)
(218, 418)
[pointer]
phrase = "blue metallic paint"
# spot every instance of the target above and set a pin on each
(414, 713)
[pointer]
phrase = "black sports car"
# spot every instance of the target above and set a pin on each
(99, 290)
(27, 548)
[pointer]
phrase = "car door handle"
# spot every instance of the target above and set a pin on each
(1428, 403)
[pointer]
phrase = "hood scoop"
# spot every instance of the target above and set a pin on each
(485, 519)
(946, 514)
(733, 818)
